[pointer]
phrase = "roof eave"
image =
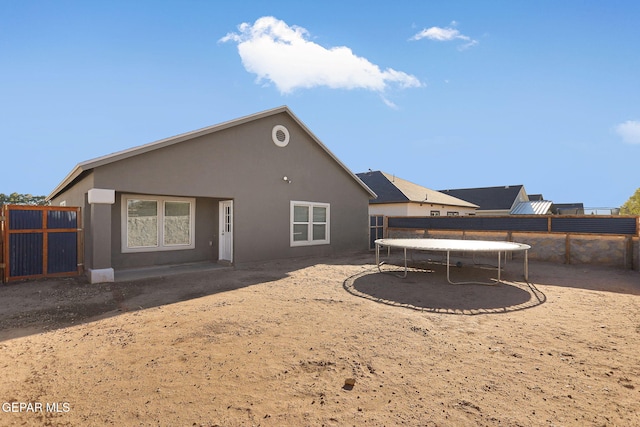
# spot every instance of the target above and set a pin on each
(76, 172)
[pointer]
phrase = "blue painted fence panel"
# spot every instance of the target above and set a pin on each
(62, 219)
(23, 219)
(583, 224)
(471, 223)
(62, 253)
(25, 254)
(604, 225)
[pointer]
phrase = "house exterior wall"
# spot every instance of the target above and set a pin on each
(206, 239)
(77, 194)
(414, 209)
(243, 164)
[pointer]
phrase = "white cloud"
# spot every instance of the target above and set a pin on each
(282, 54)
(445, 35)
(389, 103)
(629, 131)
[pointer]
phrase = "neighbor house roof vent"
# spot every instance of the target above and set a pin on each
(280, 135)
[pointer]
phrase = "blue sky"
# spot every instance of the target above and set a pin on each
(447, 94)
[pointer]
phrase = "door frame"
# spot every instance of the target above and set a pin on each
(225, 235)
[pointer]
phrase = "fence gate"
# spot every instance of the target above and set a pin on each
(40, 241)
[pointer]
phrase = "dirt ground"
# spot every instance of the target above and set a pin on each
(325, 341)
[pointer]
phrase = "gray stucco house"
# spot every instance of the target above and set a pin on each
(257, 188)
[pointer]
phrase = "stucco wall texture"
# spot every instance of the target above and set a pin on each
(239, 162)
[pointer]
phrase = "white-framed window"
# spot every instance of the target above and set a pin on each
(453, 213)
(156, 223)
(435, 213)
(310, 223)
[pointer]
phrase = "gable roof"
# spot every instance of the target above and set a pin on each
(391, 189)
(124, 154)
(488, 198)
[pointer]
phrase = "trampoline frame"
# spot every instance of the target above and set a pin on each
(455, 245)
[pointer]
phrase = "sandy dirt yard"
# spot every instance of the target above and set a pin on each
(325, 342)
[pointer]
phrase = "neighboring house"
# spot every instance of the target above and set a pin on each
(399, 197)
(257, 188)
(568, 208)
(536, 205)
(492, 201)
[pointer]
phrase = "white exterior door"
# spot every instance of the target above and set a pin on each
(225, 247)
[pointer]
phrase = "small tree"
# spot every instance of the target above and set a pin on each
(22, 199)
(632, 206)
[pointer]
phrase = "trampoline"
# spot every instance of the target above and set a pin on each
(453, 245)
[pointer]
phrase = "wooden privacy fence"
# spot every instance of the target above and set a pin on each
(40, 241)
(606, 240)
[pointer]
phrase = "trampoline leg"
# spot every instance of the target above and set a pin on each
(378, 263)
(405, 263)
(470, 283)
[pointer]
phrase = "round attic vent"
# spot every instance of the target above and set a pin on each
(280, 135)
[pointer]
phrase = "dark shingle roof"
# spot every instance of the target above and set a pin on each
(391, 189)
(386, 191)
(488, 198)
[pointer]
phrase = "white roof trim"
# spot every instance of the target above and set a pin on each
(130, 152)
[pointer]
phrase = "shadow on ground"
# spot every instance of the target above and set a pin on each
(426, 289)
